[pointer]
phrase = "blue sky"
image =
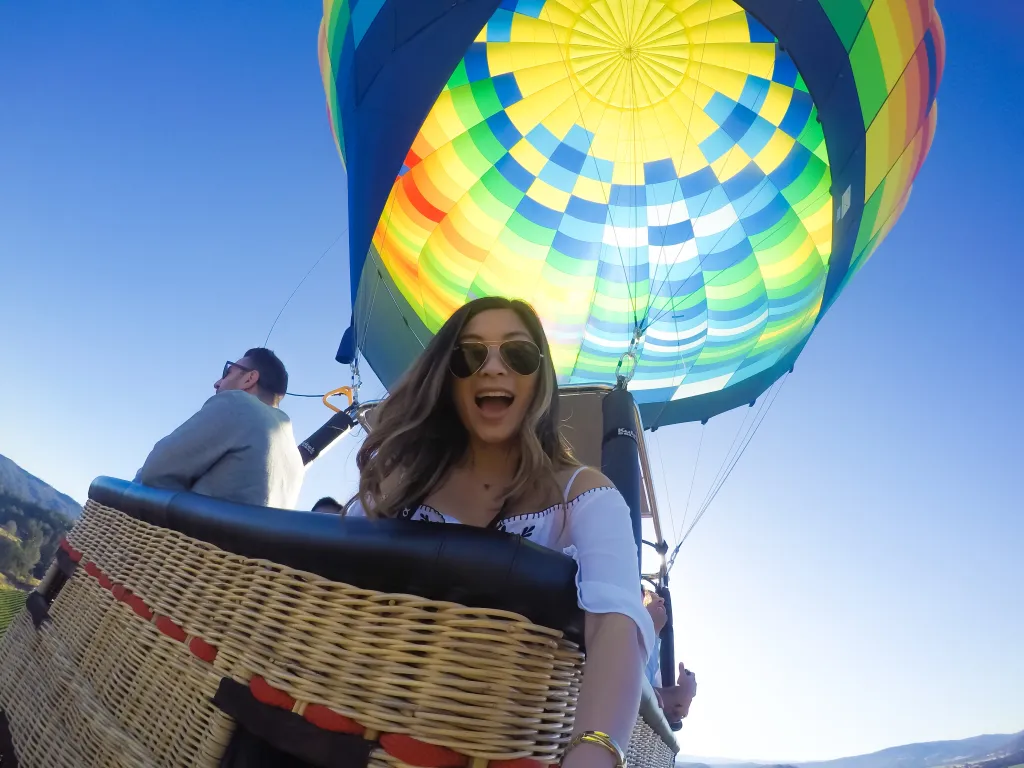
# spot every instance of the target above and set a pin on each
(167, 176)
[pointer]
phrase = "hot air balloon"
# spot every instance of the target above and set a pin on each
(681, 188)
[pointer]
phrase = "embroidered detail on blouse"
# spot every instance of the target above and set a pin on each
(426, 513)
(407, 513)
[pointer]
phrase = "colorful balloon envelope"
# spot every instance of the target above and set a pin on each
(681, 188)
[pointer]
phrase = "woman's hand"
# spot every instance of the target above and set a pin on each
(676, 699)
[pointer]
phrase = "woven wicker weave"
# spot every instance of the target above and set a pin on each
(647, 750)
(106, 684)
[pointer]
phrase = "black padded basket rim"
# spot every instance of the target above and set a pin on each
(471, 566)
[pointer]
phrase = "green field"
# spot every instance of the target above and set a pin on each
(11, 603)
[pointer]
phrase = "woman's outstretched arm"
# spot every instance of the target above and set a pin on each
(610, 694)
(619, 630)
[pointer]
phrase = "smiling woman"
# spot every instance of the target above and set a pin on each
(470, 435)
(462, 406)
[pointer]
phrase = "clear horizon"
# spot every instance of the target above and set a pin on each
(167, 177)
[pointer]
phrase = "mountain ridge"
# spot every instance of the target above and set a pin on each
(929, 754)
(19, 484)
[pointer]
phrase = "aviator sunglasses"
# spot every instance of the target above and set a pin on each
(229, 365)
(520, 356)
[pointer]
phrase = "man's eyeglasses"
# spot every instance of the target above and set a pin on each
(229, 365)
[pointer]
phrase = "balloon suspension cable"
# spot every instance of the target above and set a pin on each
(673, 556)
(622, 378)
(357, 380)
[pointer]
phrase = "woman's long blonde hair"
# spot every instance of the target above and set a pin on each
(419, 438)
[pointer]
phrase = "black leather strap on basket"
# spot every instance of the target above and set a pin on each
(66, 565)
(8, 757)
(38, 609)
(270, 737)
(459, 563)
(59, 573)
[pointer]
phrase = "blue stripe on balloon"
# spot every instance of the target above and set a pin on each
(583, 250)
(507, 89)
(539, 214)
(514, 173)
(499, 28)
(673, 234)
(757, 136)
(569, 158)
(587, 210)
(558, 177)
(543, 140)
(797, 114)
(504, 130)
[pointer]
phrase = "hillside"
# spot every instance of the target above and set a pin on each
(33, 518)
(24, 487)
(976, 751)
(12, 601)
(926, 755)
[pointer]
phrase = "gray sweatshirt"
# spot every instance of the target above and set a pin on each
(236, 448)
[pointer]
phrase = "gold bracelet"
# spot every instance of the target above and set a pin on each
(600, 738)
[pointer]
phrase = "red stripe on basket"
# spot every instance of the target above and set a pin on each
(73, 553)
(93, 570)
(419, 753)
(202, 649)
(138, 605)
(329, 720)
(169, 628)
(519, 762)
(268, 694)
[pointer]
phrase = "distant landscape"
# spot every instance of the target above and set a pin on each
(33, 518)
(989, 751)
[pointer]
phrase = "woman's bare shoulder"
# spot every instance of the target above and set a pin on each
(588, 479)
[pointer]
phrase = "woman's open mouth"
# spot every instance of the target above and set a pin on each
(494, 403)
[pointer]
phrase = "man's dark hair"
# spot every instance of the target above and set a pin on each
(273, 376)
(328, 501)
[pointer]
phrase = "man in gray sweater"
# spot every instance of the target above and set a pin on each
(239, 446)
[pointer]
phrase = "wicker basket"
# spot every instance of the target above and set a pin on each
(153, 624)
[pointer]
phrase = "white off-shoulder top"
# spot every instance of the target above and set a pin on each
(596, 533)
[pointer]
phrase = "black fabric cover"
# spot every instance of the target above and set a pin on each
(472, 566)
(269, 737)
(8, 757)
(38, 609)
(67, 567)
(338, 425)
(620, 457)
